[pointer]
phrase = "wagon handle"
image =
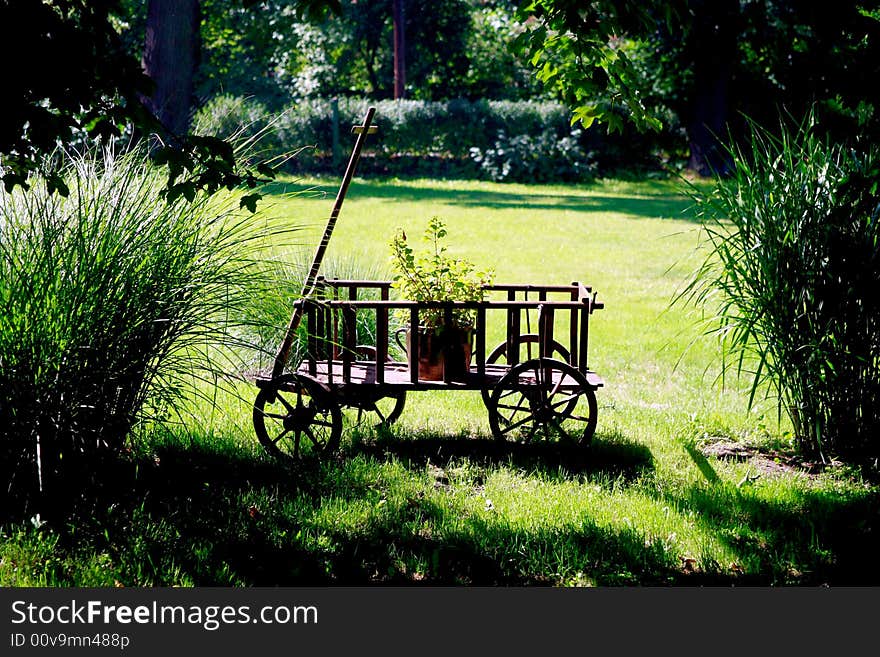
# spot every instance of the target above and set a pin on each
(397, 335)
(361, 131)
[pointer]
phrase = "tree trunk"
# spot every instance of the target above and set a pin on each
(171, 51)
(712, 50)
(399, 50)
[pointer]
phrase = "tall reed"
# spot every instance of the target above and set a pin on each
(793, 273)
(111, 302)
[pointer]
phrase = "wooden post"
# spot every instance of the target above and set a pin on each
(513, 324)
(334, 132)
(414, 344)
(585, 336)
(545, 330)
(349, 339)
(334, 332)
(329, 323)
(314, 331)
(381, 338)
(573, 329)
(481, 340)
(447, 347)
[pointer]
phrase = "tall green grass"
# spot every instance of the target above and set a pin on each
(794, 270)
(267, 313)
(113, 301)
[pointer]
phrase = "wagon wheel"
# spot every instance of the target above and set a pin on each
(526, 340)
(296, 414)
(543, 398)
(388, 407)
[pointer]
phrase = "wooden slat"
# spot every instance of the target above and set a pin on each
(381, 343)
(349, 341)
(382, 337)
(513, 322)
(545, 330)
(446, 347)
(313, 312)
(481, 340)
(584, 337)
(414, 344)
(472, 305)
(334, 320)
(524, 287)
(330, 331)
(573, 329)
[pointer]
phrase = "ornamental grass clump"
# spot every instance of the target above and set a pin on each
(794, 272)
(112, 302)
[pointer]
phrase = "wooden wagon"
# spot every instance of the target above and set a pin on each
(535, 385)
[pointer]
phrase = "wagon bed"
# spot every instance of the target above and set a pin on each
(397, 375)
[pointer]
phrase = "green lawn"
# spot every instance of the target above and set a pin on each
(683, 484)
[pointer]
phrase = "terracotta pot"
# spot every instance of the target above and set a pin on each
(443, 352)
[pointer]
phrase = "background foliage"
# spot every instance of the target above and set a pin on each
(498, 140)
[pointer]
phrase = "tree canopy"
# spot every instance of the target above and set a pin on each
(731, 58)
(694, 65)
(78, 81)
(66, 75)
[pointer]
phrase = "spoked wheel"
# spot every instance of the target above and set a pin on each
(543, 399)
(383, 410)
(529, 345)
(296, 415)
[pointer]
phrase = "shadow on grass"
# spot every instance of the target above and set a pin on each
(811, 536)
(702, 464)
(664, 205)
(613, 455)
(221, 515)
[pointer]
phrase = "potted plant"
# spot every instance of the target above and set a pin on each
(444, 349)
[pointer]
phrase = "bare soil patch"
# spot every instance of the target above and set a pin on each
(764, 461)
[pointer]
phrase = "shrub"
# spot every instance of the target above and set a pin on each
(544, 158)
(420, 137)
(452, 127)
(246, 122)
(796, 265)
(112, 301)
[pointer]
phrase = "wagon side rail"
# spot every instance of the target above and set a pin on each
(576, 290)
(332, 326)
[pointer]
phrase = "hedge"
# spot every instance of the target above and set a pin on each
(502, 140)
